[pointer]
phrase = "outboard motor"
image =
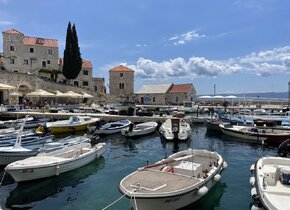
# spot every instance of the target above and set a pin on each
(284, 149)
(94, 139)
(131, 126)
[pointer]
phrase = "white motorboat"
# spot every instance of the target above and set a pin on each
(111, 128)
(270, 183)
(54, 163)
(174, 182)
(139, 129)
(175, 128)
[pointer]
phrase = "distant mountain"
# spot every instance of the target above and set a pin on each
(265, 95)
(278, 95)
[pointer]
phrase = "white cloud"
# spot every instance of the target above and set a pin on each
(264, 63)
(184, 38)
(6, 23)
(141, 45)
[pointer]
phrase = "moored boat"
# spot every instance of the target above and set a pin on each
(270, 183)
(139, 129)
(111, 128)
(54, 163)
(174, 182)
(259, 135)
(73, 124)
(175, 128)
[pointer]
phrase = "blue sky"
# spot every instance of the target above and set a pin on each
(242, 46)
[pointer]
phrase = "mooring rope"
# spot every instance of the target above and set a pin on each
(3, 178)
(114, 202)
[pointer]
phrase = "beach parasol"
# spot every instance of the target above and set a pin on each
(86, 95)
(72, 94)
(40, 93)
(6, 87)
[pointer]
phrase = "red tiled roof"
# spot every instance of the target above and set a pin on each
(180, 88)
(86, 63)
(40, 41)
(121, 68)
(12, 31)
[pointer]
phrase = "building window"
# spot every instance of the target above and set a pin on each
(176, 99)
(11, 38)
(153, 100)
(31, 50)
(12, 48)
(12, 61)
(121, 86)
(96, 88)
(43, 63)
(25, 62)
(48, 61)
(40, 41)
(76, 83)
(85, 83)
(121, 75)
(85, 72)
(49, 51)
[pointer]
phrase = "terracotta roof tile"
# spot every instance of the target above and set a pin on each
(12, 31)
(34, 41)
(87, 64)
(180, 88)
(121, 68)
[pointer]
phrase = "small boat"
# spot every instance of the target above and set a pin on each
(139, 129)
(259, 135)
(34, 123)
(19, 151)
(73, 124)
(174, 182)
(54, 163)
(270, 183)
(111, 128)
(175, 128)
(213, 125)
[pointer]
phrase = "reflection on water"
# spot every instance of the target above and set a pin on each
(210, 200)
(29, 192)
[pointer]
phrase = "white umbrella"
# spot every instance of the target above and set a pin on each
(15, 94)
(218, 96)
(40, 93)
(206, 97)
(59, 94)
(231, 96)
(6, 87)
(86, 95)
(72, 94)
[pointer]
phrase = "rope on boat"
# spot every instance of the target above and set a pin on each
(114, 202)
(3, 178)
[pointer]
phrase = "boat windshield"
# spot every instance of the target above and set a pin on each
(285, 176)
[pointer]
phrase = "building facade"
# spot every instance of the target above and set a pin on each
(26, 54)
(154, 94)
(179, 93)
(121, 82)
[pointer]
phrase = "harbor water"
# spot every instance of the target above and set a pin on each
(95, 186)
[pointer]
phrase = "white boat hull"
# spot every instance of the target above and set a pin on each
(140, 129)
(28, 173)
(170, 203)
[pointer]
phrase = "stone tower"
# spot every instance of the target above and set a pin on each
(121, 80)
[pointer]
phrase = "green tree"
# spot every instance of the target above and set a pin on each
(72, 61)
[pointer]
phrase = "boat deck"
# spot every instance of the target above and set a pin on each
(155, 181)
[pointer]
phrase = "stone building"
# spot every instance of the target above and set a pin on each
(180, 93)
(26, 54)
(154, 94)
(121, 80)
(166, 94)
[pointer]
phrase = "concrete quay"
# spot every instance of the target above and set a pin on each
(102, 116)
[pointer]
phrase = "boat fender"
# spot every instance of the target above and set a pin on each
(217, 177)
(252, 168)
(57, 169)
(254, 193)
(225, 164)
(254, 207)
(170, 170)
(202, 191)
(252, 181)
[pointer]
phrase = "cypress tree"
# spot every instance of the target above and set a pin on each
(72, 61)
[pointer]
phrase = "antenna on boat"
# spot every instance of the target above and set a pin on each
(19, 134)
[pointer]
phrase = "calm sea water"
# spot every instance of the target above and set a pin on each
(95, 186)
